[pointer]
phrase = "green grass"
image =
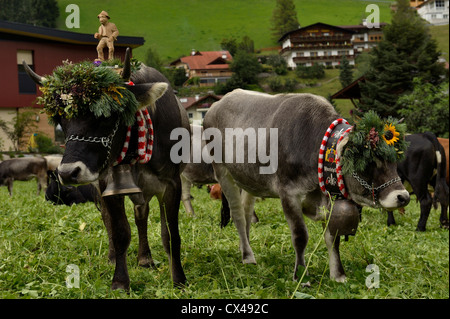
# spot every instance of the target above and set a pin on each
(38, 241)
(174, 27)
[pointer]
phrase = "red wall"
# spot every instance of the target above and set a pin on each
(47, 55)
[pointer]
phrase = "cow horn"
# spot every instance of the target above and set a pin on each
(35, 77)
(126, 72)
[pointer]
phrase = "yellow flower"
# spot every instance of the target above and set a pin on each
(390, 135)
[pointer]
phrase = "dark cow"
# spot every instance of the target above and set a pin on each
(94, 143)
(300, 122)
(23, 169)
(425, 165)
(60, 194)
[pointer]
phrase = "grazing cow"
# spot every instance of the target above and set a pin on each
(298, 123)
(23, 169)
(59, 194)
(97, 134)
(425, 164)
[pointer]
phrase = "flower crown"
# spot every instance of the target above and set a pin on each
(76, 89)
(373, 138)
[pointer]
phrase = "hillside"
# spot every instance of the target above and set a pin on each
(174, 27)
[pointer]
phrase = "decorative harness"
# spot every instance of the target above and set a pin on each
(144, 145)
(329, 164)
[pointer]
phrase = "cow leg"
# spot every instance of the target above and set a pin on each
(169, 205)
(9, 183)
(141, 210)
(299, 233)
(248, 203)
(337, 272)
(443, 219)
(233, 194)
(186, 195)
(114, 208)
(425, 208)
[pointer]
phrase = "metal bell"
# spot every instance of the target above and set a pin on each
(120, 182)
(344, 218)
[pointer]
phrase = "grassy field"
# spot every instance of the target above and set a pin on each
(38, 241)
(174, 27)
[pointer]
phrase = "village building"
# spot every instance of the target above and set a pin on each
(434, 11)
(209, 67)
(197, 106)
(326, 44)
(42, 49)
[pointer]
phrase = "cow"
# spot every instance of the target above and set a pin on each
(23, 169)
(424, 165)
(297, 123)
(59, 194)
(96, 135)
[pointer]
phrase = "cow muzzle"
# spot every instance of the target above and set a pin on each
(75, 173)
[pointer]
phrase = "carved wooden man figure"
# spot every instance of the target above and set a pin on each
(107, 34)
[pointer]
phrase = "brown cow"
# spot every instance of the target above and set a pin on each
(444, 143)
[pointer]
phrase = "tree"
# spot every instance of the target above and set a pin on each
(406, 51)
(246, 67)
(284, 18)
(426, 108)
(346, 73)
(37, 12)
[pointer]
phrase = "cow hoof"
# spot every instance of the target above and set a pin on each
(341, 278)
(146, 263)
(120, 285)
(249, 260)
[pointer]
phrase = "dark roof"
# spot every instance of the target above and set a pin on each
(316, 24)
(351, 91)
(44, 33)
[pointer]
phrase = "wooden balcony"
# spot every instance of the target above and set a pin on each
(323, 58)
(317, 47)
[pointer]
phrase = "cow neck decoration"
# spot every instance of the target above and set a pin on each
(145, 140)
(331, 181)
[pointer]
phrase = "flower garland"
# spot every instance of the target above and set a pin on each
(77, 89)
(373, 138)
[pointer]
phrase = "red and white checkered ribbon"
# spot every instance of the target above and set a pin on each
(340, 178)
(322, 154)
(145, 141)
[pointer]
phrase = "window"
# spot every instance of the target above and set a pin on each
(440, 4)
(26, 84)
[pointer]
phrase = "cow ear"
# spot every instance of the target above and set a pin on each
(148, 93)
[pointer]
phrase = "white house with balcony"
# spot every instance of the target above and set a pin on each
(434, 11)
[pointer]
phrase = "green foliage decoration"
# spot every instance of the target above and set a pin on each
(76, 89)
(373, 138)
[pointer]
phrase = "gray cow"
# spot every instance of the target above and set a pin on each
(23, 169)
(300, 121)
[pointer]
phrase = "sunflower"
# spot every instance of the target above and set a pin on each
(390, 135)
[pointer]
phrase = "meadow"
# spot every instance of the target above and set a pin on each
(173, 28)
(39, 240)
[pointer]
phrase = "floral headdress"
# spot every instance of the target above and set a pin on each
(76, 89)
(373, 138)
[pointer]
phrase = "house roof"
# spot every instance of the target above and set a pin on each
(14, 29)
(315, 25)
(199, 101)
(204, 60)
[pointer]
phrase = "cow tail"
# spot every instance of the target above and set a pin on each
(441, 191)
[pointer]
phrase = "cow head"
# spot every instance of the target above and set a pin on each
(94, 105)
(369, 156)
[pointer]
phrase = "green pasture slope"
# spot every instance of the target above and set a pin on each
(174, 27)
(39, 240)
